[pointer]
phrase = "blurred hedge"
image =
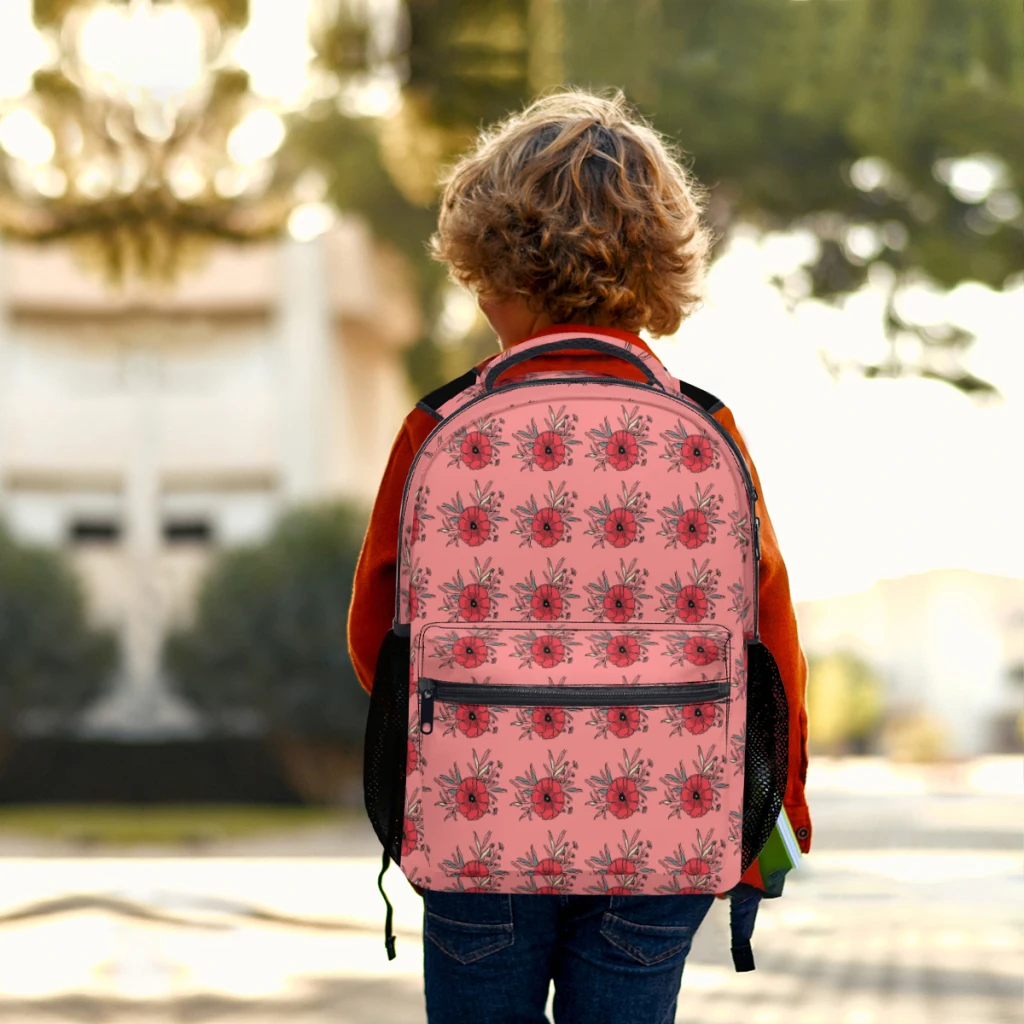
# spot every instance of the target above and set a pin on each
(267, 648)
(53, 664)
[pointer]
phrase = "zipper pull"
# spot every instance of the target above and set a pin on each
(757, 538)
(426, 706)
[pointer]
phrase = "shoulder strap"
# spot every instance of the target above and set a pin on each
(441, 396)
(704, 399)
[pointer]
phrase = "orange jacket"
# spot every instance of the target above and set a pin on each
(373, 595)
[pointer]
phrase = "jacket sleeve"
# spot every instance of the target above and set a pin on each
(373, 591)
(778, 628)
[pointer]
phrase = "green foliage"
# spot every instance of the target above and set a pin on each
(53, 663)
(269, 634)
(776, 101)
(844, 704)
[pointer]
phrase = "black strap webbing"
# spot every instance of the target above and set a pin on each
(704, 399)
(389, 935)
(742, 912)
(445, 393)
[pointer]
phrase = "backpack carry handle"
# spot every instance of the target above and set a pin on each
(521, 353)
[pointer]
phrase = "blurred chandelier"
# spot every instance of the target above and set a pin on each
(151, 128)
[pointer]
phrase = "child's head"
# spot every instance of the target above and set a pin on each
(579, 208)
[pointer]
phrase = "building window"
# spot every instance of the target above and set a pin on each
(188, 531)
(94, 530)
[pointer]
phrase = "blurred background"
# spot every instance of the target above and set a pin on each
(215, 309)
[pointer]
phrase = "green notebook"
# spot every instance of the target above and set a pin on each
(781, 852)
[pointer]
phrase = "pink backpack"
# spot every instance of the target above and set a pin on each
(574, 698)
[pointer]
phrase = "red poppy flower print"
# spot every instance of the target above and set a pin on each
(691, 604)
(546, 603)
(696, 453)
(474, 603)
(620, 528)
(622, 450)
(470, 651)
(547, 798)
(414, 602)
(474, 869)
(548, 722)
(621, 866)
(474, 526)
(548, 867)
(417, 523)
(476, 449)
(623, 722)
(698, 796)
(692, 528)
(548, 450)
(412, 758)
(410, 836)
(620, 890)
(547, 527)
(695, 867)
(472, 798)
(623, 797)
(548, 890)
(619, 603)
(547, 651)
(700, 650)
(472, 719)
(698, 718)
(623, 651)
(690, 890)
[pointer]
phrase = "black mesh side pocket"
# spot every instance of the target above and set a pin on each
(385, 751)
(767, 750)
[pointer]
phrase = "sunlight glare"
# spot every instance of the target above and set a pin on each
(257, 136)
(23, 51)
(274, 50)
(310, 220)
(25, 137)
(159, 51)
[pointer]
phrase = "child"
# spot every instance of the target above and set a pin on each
(573, 211)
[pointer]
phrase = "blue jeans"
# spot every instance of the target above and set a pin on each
(489, 957)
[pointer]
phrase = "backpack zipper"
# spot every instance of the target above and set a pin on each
(651, 695)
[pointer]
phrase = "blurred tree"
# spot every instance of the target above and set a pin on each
(267, 646)
(844, 704)
(53, 663)
(893, 130)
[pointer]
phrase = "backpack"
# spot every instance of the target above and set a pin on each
(574, 697)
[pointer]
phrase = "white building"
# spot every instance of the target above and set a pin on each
(949, 642)
(140, 431)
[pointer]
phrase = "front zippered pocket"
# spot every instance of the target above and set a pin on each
(559, 757)
(646, 695)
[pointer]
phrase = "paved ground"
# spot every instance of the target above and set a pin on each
(908, 912)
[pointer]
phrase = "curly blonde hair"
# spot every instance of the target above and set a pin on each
(578, 205)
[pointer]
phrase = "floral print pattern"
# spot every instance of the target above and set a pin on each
(476, 444)
(552, 873)
(477, 872)
(549, 446)
(548, 599)
(473, 523)
(690, 527)
(549, 794)
(623, 446)
(622, 600)
(508, 580)
(621, 524)
(548, 524)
